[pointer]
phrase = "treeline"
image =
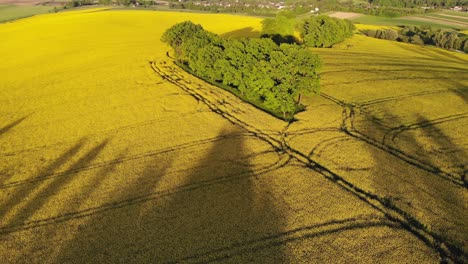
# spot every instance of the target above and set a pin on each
(274, 77)
(446, 39)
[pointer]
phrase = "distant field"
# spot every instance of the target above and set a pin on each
(410, 21)
(454, 18)
(110, 153)
(12, 12)
(455, 13)
(454, 21)
(21, 2)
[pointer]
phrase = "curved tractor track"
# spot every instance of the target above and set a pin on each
(222, 103)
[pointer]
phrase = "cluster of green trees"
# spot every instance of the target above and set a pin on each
(447, 39)
(280, 29)
(324, 31)
(274, 76)
(315, 31)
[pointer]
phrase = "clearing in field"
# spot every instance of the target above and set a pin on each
(111, 153)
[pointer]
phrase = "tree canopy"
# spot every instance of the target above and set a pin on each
(259, 69)
(324, 31)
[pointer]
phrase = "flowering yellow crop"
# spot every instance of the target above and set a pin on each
(110, 153)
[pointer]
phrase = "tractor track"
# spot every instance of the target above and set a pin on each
(144, 198)
(98, 165)
(347, 126)
(447, 251)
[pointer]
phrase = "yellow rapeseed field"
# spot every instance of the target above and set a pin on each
(110, 153)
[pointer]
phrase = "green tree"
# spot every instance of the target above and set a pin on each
(178, 34)
(324, 31)
(302, 71)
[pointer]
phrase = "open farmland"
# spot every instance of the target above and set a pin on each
(110, 153)
(13, 12)
(435, 20)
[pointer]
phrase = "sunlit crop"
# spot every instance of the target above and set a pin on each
(111, 153)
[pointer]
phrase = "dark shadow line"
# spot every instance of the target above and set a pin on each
(142, 198)
(395, 132)
(13, 124)
(89, 136)
(397, 65)
(284, 238)
(54, 187)
(241, 33)
(127, 158)
(19, 195)
(392, 79)
(404, 96)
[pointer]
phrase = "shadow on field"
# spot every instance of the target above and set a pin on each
(443, 147)
(461, 92)
(204, 213)
(429, 200)
(247, 32)
(30, 197)
(435, 54)
(13, 124)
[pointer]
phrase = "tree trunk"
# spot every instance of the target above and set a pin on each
(299, 99)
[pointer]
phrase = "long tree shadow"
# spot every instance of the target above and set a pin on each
(13, 124)
(193, 215)
(31, 198)
(247, 32)
(452, 156)
(20, 194)
(426, 199)
(53, 188)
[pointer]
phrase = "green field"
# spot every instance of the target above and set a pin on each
(455, 18)
(111, 153)
(12, 12)
(385, 21)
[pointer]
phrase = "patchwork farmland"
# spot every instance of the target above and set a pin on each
(109, 152)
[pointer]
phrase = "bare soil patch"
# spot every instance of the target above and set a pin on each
(345, 15)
